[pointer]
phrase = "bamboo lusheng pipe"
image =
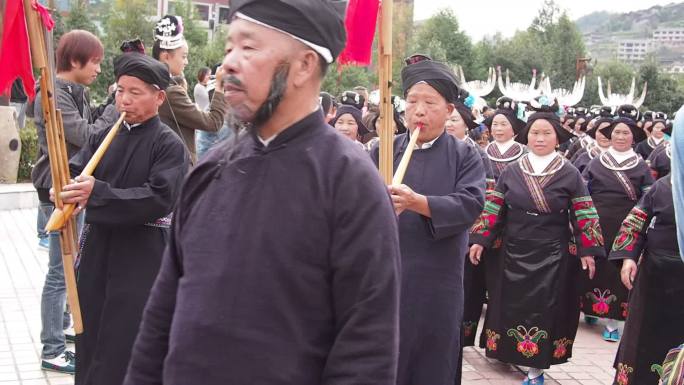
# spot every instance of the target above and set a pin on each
(406, 158)
(40, 40)
(60, 216)
(386, 156)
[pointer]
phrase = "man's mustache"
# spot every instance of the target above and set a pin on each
(234, 81)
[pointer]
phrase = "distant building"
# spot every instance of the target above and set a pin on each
(669, 36)
(634, 50)
(674, 68)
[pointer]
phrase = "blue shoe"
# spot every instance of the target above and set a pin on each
(609, 336)
(590, 320)
(535, 381)
(64, 363)
(44, 244)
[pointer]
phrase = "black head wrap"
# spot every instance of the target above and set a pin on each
(316, 22)
(597, 123)
(355, 113)
(583, 125)
(629, 111)
(648, 115)
(143, 67)
(353, 98)
(512, 117)
(466, 115)
(665, 126)
(326, 101)
(561, 133)
(637, 132)
(509, 108)
(437, 75)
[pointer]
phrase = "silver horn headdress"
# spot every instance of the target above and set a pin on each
(615, 100)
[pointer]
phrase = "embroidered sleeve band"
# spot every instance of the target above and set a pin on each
(631, 228)
(588, 222)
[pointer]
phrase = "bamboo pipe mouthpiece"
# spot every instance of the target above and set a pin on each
(403, 164)
(59, 217)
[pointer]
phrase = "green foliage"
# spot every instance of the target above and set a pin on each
(29, 150)
(78, 18)
(664, 91)
(441, 38)
(197, 39)
(336, 81)
(59, 29)
(122, 20)
(129, 19)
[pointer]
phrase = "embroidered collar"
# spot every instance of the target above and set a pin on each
(586, 141)
(553, 167)
(651, 141)
(595, 151)
(514, 152)
(609, 162)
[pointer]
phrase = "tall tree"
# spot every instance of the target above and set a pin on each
(564, 48)
(664, 92)
(78, 18)
(441, 35)
(122, 20)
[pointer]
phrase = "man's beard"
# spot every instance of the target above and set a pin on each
(275, 95)
(268, 107)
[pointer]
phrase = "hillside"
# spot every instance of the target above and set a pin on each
(638, 24)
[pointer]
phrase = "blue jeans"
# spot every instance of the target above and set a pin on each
(205, 140)
(41, 221)
(53, 313)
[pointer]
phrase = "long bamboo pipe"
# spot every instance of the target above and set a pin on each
(406, 158)
(59, 216)
(386, 131)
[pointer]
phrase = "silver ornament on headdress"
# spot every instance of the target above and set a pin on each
(615, 100)
(169, 33)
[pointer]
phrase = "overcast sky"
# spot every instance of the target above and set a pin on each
(484, 17)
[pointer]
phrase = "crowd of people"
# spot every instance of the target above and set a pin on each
(244, 235)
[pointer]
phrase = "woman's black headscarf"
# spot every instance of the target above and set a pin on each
(466, 115)
(355, 113)
(637, 132)
(545, 110)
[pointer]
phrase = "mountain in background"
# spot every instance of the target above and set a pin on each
(637, 24)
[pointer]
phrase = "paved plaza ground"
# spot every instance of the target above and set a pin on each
(22, 272)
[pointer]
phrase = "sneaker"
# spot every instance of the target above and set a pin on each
(65, 363)
(534, 381)
(70, 335)
(590, 320)
(611, 336)
(44, 244)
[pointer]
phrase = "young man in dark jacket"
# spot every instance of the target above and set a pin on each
(79, 54)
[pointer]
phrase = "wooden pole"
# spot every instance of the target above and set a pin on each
(386, 118)
(39, 40)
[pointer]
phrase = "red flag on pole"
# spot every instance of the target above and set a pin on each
(360, 22)
(15, 57)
